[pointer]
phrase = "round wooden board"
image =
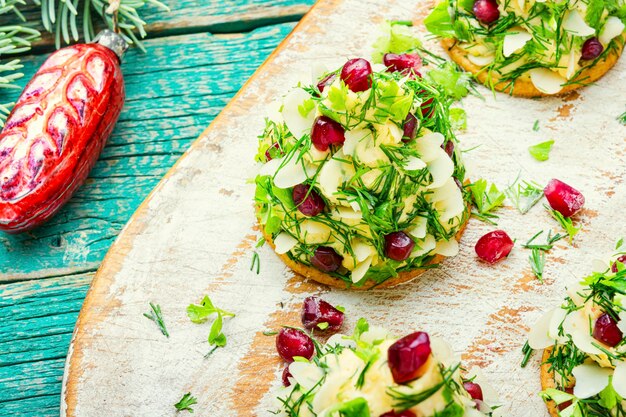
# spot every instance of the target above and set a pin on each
(196, 233)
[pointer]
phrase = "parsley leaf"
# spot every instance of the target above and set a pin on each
(486, 198)
(396, 38)
(186, 402)
(455, 82)
(357, 407)
(439, 22)
(458, 119)
(541, 151)
(200, 314)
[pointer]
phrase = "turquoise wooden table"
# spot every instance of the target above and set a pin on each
(198, 56)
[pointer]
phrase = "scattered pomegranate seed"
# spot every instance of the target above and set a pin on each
(474, 390)
(405, 413)
(326, 81)
(316, 311)
(293, 342)
(563, 198)
(356, 73)
(407, 357)
(592, 48)
(286, 376)
(606, 331)
(494, 246)
(486, 11)
(270, 151)
(410, 128)
(449, 147)
(326, 259)
(621, 259)
(308, 201)
(326, 132)
(404, 63)
(398, 246)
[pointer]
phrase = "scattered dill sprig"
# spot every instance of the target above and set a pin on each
(536, 126)
(523, 194)
(186, 402)
(537, 260)
(256, 263)
(157, 317)
(565, 222)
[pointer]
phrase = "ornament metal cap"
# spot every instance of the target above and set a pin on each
(113, 41)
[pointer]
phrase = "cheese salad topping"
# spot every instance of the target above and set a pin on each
(540, 40)
(351, 378)
(377, 182)
(588, 350)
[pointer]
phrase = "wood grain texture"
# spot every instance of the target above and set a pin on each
(187, 239)
(173, 93)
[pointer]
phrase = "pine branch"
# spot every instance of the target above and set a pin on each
(63, 18)
(13, 40)
(69, 21)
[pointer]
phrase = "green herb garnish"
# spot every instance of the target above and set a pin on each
(186, 402)
(156, 316)
(565, 222)
(524, 195)
(486, 198)
(541, 151)
(201, 313)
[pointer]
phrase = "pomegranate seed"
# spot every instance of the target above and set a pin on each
(494, 246)
(286, 376)
(407, 357)
(404, 63)
(592, 48)
(410, 127)
(427, 108)
(326, 259)
(621, 259)
(606, 331)
(326, 81)
(563, 198)
(356, 73)
(274, 149)
(398, 246)
(486, 11)
(292, 342)
(405, 413)
(316, 311)
(308, 201)
(449, 147)
(563, 406)
(474, 390)
(326, 132)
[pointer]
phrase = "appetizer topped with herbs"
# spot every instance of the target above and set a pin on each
(531, 48)
(361, 183)
(373, 374)
(584, 359)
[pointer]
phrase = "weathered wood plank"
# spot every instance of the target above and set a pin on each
(36, 322)
(190, 238)
(173, 92)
